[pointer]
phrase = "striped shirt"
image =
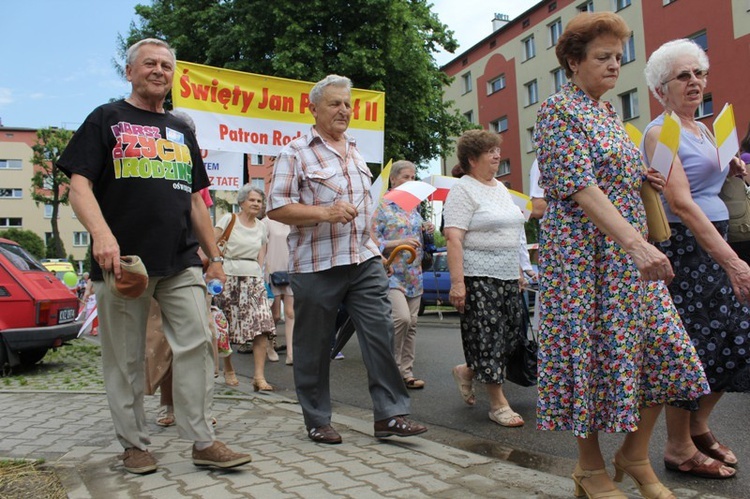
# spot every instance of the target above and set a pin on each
(309, 172)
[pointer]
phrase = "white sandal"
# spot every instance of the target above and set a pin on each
(505, 416)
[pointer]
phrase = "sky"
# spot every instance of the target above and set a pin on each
(56, 59)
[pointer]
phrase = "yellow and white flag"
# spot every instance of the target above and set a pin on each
(635, 135)
(380, 186)
(725, 131)
(522, 201)
(666, 147)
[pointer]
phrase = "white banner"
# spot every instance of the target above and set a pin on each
(224, 169)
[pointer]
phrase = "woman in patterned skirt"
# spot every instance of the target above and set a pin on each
(612, 348)
(483, 232)
(244, 300)
(711, 287)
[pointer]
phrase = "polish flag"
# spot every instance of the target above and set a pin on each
(409, 194)
(442, 185)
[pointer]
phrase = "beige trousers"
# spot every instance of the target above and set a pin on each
(404, 312)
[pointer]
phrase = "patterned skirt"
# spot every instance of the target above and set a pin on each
(245, 303)
(490, 326)
(717, 323)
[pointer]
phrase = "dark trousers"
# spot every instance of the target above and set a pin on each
(363, 289)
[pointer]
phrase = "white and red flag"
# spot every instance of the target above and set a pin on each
(409, 194)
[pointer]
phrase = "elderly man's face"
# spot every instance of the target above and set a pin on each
(151, 73)
(333, 112)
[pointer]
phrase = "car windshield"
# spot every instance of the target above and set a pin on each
(20, 258)
(441, 263)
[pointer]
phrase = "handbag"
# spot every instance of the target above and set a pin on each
(656, 218)
(221, 242)
(280, 278)
(222, 332)
(520, 367)
(736, 195)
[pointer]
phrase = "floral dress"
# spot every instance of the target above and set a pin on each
(609, 343)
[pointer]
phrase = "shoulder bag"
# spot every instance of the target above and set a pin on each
(221, 242)
(656, 218)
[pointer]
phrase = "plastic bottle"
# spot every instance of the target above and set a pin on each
(215, 287)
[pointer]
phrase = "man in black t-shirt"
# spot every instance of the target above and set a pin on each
(135, 175)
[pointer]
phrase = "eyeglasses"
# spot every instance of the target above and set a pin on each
(686, 76)
(495, 151)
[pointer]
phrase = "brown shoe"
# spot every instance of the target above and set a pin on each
(220, 456)
(398, 426)
(137, 461)
(324, 435)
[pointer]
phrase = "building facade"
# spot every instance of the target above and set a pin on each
(499, 82)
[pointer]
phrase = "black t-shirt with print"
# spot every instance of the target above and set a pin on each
(144, 167)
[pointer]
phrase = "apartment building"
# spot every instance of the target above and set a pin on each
(500, 81)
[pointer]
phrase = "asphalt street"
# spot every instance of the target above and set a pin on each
(452, 422)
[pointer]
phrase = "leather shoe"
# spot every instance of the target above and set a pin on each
(398, 426)
(324, 435)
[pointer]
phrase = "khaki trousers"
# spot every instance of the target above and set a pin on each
(404, 312)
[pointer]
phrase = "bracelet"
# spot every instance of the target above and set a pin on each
(216, 259)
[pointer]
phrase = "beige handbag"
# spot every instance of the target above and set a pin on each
(656, 218)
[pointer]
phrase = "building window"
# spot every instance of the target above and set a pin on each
(586, 7)
(47, 211)
(48, 182)
(706, 107)
(469, 115)
(48, 239)
(532, 93)
(628, 52)
(701, 39)
(11, 164)
(80, 238)
(530, 139)
(466, 77)
(529, 50)
(499, 125)
(629, 102)
(555, 30)
(258, 183)
(496, 85)
(10, 223)
(621, 4)
(11, 193)
(256, 159)
(558, 79)
(503, 168)
(667, 2)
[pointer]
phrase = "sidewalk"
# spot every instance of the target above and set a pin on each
(73, 432)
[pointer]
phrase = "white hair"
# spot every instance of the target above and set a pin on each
(132, 53)
(661, 63)
(401, 165)
(331, 80)
(245, 191)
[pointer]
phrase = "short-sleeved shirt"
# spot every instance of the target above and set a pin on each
(493, 225)
(392, 222)
(310, 172)
(243, 246)
(144, 168)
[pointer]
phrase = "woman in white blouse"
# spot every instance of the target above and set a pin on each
(483, 228)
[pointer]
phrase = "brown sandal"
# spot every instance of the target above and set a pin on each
(697, 466)
(711, 447)
(230, 379)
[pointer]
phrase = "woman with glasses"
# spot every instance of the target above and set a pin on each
(612, 349)
(483, 232)
(711, 283)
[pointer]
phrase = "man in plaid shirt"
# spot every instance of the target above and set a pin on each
(320, 188)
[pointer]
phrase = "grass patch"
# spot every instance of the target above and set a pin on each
(22, 479)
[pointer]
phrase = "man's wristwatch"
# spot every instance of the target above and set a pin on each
(216, 259)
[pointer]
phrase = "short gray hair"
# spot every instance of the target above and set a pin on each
(331, 80)
(399, 165)
(132, 52)
(660, 64)
(245, 191)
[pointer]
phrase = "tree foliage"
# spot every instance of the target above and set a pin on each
(383, 45)
(29, 240)
(49, 185)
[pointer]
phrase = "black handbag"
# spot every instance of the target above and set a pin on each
(280, 278)
(521, 366)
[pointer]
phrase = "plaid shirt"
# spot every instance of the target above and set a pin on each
(309, 172)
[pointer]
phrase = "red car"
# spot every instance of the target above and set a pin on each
(37, 311)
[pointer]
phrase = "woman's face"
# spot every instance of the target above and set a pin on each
(486, 164)
(253, 204)
(405, 175)
(683, 88)
(598, 71)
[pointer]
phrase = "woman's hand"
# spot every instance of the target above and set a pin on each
(410, 241)
(428, 227)
(737, 167)
(656, 179)
(457, 296)
(739, 274)
(652, 263)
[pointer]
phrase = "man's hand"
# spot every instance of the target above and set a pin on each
(106, 252)
(341, 212)
(216, 271)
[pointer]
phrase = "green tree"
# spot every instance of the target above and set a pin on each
(49, 185)
(26, 238)
(383, 45)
